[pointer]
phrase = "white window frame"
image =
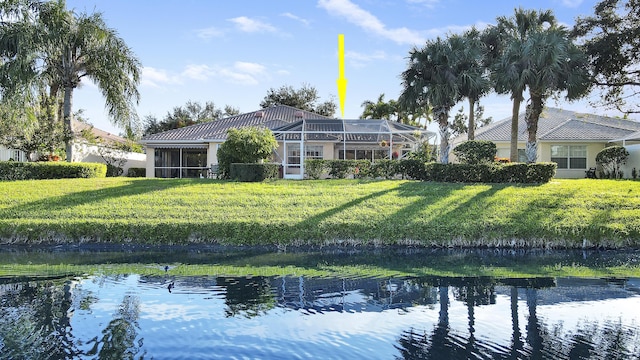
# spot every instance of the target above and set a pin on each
(569, 157)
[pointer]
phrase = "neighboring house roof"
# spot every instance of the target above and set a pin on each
(271, 117)
(98, 133)
(561, 125)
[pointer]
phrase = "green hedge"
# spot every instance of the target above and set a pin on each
(475, 152)
(10, 170)
(417, 170)
(254, 172)
(136, 172)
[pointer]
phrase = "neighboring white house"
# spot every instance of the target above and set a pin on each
(88, 152)
(567, 138)
(190, 151)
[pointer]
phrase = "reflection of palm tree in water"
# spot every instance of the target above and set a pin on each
(119, 337)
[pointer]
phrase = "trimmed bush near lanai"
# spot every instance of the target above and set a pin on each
(254, 172)
(11, 170)
(487, 172)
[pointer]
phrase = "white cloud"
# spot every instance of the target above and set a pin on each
(209, 33)
(364, 19)
(249, 68)
(199, 72)
(305, 22)
(359, 60)
(426, 3)
(455, 29)
(246, 24)
(572, 3)
(157, 77)
(283, 72)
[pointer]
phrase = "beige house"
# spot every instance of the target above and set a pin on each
(190, 151)
(567, 138)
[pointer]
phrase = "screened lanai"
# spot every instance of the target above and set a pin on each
(344, 139)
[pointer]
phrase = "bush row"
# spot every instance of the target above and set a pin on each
(136, 172)
(254, 172)
(417, 170)
(11, 170)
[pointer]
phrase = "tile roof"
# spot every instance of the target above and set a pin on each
(271, 117)
(560, 125)
(108, 137)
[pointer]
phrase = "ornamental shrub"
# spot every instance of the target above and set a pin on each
(10, 170)
(248, 145)
(254, 172)
(475, 152)
(315, 168)
(340, 169)
(114, 170)
(611, 158)
(384, 168)
(136, 172)
(412, 169)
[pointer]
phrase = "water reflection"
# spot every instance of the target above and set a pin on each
(131, 317)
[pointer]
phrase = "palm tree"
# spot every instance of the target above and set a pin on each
(507, 61)
(473, 79)
(431, 79)
(60, 50)
(555, 64)
(379, 109)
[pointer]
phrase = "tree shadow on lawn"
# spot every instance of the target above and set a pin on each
(50, 205)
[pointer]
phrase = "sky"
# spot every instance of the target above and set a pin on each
(233, 52)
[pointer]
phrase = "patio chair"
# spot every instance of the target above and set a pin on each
(213, 171)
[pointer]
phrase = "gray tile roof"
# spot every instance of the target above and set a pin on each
(561, 125)
(272, 117)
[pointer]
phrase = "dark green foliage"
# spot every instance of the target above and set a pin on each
(412, 169)
(305, 98)
(136, 172)
(10, 170)
(475, 152)
(246, 145)
(417, 170)
(384, 168)
(113, 171)
(254, 172)
(340, 169)
(611, 158)
(315, 168)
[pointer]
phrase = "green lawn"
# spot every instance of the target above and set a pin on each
(562, 213)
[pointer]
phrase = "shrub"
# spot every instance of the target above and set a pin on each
(10, 170)
(114, 171)
(611, 158)
(541, 172)
(254, 172)
(247, 145)
(341, 168)
(136, 172)
(412, 169)
(475, 152)
(315, 168)
(490, 173)
(384, 168)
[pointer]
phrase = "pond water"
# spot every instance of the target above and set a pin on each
(164, 315)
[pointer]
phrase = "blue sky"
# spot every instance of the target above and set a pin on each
(232, 52)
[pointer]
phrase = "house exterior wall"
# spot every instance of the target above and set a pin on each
(544, 155)
(16, 155)
(633, 161)
(91, 153)
(212, 153)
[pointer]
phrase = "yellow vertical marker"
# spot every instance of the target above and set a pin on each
(342, 82)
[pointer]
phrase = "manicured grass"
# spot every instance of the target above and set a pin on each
(562, 213)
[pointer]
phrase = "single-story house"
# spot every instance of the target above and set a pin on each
(190, 151)
(85, 151)
(568, 138)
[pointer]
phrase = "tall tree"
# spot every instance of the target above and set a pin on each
(391, 110)
(431, 79)
(508, 64)
(49, 44)
(305, 98)
(612, 43)
(460, 124)
(555, 64)
(473, 77)
(191, 113)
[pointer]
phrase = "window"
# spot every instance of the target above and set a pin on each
(569, 156)
(314, 152)
(293, 153)
(180, 163)
(522, 156)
